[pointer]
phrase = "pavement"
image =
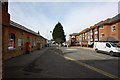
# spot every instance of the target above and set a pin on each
(72, 62)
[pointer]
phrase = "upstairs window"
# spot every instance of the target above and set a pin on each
(73, 36)
(102, 27)
(102, 35)
(88, 37)
(11, 44)
(96, 30)
(113, 28)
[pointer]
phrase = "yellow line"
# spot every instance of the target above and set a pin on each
(92, 68)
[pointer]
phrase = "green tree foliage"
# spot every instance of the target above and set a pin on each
(58, 33)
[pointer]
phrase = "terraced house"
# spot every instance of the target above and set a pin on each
(17, 39)
(104, 31)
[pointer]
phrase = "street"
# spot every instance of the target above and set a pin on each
(72, 62)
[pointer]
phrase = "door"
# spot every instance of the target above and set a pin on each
(107, 47)
(28, 44)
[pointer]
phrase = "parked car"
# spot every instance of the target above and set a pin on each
(107, 47)
(64, 44)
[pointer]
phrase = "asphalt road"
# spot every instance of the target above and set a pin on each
(74, 62)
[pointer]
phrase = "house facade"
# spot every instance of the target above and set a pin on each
(17, 39)
(104, 31)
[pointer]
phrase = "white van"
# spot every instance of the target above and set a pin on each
(107, 47)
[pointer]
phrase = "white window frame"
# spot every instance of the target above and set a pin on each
(102, 27)
(73, 36)
(13, 41)
(88, 37)
(96, 30)
(113, 29)
(20, 42)
(102, 34)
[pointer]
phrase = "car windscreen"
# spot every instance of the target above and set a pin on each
(114, 45)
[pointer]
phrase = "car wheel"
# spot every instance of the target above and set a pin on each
(111, 53)
(96, 50)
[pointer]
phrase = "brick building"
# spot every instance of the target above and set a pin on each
(105, 31)
(74, 39)
(16, 39)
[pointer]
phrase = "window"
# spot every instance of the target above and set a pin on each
(11, 44)
(86, 33)
(102, 35)
(108, 45)
(20, 42)
(80, 38)
(38, 42)
(88, 37)
(95, 29)
(96, 36)
(91, 38)
(73, 36)
(27, 39)
(34, 42)
(91, 31)
(102, 27)
(85, 38)
(113, 28)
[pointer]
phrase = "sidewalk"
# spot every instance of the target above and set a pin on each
(28, 58)
(89, 48)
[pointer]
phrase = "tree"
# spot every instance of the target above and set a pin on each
(58, 33)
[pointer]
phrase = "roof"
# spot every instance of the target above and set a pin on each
(12, 23)
(107, 21)
(85, 30)
(22, 27)
(115, 19)
(110, 39)
(110, 20)
(75, 34)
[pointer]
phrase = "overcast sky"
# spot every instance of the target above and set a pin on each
(74, 16)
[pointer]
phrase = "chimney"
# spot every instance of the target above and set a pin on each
(4, 5)
(5, 16)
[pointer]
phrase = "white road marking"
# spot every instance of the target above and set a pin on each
(72, 49)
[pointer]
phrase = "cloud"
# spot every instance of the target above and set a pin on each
(64, 0)
(80, 18)
(74, 17)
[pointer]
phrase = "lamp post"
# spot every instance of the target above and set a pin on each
(51, 37)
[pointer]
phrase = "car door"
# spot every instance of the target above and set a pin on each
(107, 47)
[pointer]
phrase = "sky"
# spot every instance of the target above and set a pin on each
(74, 16)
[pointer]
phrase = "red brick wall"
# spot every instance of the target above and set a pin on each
(114, 33)
(19, 34)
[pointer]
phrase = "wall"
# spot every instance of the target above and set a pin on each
(19, 49)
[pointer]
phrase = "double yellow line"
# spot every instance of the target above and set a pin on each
(92, 68)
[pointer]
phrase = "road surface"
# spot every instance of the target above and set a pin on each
(73, 62)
